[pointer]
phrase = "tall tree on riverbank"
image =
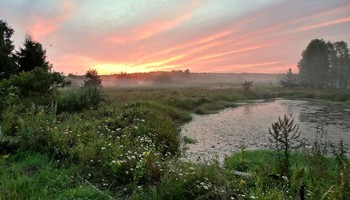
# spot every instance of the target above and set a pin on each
(339, 64)
(325, 64)
(314, 65)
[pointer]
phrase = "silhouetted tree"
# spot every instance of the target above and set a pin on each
(247, 85)
(31, 56)
(187, 72)
(314, 65)
(94, 79)
(290, 80)
(7, 64)
(339, 64)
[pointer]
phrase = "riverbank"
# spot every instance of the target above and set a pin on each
(127, 147)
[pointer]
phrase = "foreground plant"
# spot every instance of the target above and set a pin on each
(285, 137)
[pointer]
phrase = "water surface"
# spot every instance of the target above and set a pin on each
(221, 134)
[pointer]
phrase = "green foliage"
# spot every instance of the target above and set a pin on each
(36, 83)
(314, 65)
(186, 181)
(339, 64)
(285, 137)
(94, 79)
(343, 171)
(291, 80)
(79, 100)
(31, 56)
(325, 64)
(7, 64)
(128, 149)
(36, 176)
(8, 96)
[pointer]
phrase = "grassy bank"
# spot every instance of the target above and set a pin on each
(121, 143)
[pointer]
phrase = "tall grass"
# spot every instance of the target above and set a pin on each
(125, 144)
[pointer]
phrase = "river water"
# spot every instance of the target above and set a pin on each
(224, 133)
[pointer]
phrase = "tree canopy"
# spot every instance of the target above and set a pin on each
(339, 64)
(26, 71)
(7, 65)
(314, 65)
(325, 64)
(94, 79)
(31, 56)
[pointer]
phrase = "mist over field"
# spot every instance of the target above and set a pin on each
(175, 99)
(173, 79)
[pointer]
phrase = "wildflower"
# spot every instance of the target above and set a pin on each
(103, 148)
(205, 187)
(241, 182)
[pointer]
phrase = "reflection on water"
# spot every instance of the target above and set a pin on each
(224, 133)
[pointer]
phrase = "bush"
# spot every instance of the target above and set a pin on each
(285, 137)
(94, 79)
(78, 100)
(290, 80)
(36, 83)
(247, 85)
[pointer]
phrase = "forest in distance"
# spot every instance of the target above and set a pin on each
(118, 136)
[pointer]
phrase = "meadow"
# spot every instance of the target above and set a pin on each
(124, 143)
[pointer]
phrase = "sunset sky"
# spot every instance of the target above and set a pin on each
(112, 36)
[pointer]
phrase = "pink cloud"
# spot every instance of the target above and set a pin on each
(324, 24)
(41, 26)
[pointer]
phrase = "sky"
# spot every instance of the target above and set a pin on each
(113, 36)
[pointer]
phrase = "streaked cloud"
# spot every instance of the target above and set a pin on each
(264, 36)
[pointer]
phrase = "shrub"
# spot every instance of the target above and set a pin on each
(94, 79)
(247, 85)
(290, 80)
(36, 83)
(78, 100)
(285, 135)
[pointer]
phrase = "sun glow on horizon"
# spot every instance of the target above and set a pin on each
(202, 36)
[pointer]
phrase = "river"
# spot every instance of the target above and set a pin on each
(221, 134)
